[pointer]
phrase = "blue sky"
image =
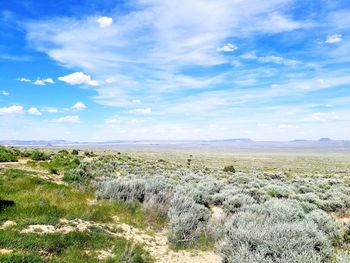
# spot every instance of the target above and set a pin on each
(166, 69)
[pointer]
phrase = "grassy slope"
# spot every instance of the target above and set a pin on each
(41, 202)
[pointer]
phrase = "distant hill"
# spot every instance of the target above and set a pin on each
(239, 142)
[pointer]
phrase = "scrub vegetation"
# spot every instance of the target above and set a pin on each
(238, 213)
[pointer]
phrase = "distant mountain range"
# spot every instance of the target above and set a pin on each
(240, 142)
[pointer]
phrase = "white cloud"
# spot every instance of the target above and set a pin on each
(335, 38)
(24, 80)
(34, 111)
(113, 121)
(50, 109)
(49, 80)
(79, 106)
(14, 109)
(78, 78)
(5, 93)
(67, 119)
(104, 21)
(39, 82)
(142, 111)
(227, 48)
(136, 101)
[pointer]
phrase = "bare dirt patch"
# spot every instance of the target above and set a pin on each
(156, 244)
(8, 224)
(5, 251)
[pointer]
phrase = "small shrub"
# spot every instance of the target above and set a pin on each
(343, 257)
(64, 162)
(187, 220)
(89, 154)
(53, 170)
(75, 152)
(37, 155)
(325, 223)
(347, 232)
(6, 155)
(277, 191)
(274, 232)
(63, 152)
(229, 168)
(77, 176)
(236, 202)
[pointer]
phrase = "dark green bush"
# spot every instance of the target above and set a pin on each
(75, 152)
(77, 176)
(229, 168)
(63, 162)
(7, 155)
(37, 155)
(89, 154)
(63, 151)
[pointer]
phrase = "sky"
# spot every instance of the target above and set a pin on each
(174, 69)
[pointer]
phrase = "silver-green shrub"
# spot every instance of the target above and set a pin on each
(235, 202)
(276, 231)
(187, 219)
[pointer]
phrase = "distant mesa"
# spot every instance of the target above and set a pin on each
(325, 140)
(299, 140)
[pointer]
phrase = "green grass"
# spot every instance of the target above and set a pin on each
(41, 202)
(21, 258)
(70, 247)
(38, 201)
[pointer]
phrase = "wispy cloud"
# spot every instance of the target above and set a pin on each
(113, 121)
(142, 111)
(67, 119)
(327, 117)
(148, 47)
(203, 68)
(50, 109)
(270, 59)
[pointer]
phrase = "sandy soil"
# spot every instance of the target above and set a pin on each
(156, 245)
